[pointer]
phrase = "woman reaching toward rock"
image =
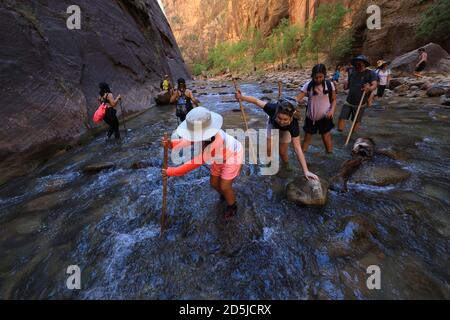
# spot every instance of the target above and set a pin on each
(281, 117)
(105, 96)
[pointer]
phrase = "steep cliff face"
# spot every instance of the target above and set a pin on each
(200, 24)
(50, 74)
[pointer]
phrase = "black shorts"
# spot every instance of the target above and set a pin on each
(324, 126)
(380, 92)
(421, 67)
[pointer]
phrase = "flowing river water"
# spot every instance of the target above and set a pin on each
(108, 223)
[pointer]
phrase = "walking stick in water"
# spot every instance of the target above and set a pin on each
(123, 117)
(280, 89)
(356, 119)
(244, 117)
(164, 199)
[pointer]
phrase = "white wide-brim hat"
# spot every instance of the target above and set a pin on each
(200, 125)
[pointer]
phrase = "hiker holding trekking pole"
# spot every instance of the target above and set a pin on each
(360, 84)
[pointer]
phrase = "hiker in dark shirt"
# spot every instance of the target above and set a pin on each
(360, 80)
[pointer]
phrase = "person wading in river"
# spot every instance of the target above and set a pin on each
(184, 99)
(321, 94)
(281, 117)
(105, 96)
(384, 78)
(360, 80)
(222, 151)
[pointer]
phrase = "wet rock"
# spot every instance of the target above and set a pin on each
(354, 237)
(445, 100)
(427, 85)
(436, 91)
(163, 98)
(393, 154)
(26, 225)
(146, 164)
(401, 89)
(265, 98)
(414, 88)
(394, 83)
(97, 167)
(291, 86)
(48, 201)
(267, 91)
(380, 175)
(307, 193)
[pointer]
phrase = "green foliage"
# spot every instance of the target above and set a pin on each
(198, 69)
(176, 20)
(343, 46)
(435, 22)
(326, 34)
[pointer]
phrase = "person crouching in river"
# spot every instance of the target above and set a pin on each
(184, 100)
(222, 151)
(281, 117)
(105, 96)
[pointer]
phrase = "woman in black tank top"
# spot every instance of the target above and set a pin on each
(110, 117)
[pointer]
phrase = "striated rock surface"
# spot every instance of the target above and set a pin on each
(50, 74)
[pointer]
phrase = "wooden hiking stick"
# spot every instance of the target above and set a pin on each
(280, 89)
(164, 199)
(356, 119)
(244, 117)
(123, 117)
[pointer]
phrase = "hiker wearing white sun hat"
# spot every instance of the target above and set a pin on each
(222, 151)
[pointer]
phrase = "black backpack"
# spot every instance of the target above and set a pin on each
(184, 106)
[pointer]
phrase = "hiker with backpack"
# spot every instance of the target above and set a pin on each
(361, 80)
(106, 97)
(281, 117)
(184, 100)
(321, 94)
(223, 152)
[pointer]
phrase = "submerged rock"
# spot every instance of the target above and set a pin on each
(354, 237)
(97, 167)
(307, 193)
(380, 175)
(436, 91)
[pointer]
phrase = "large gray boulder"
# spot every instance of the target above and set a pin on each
(438, 60)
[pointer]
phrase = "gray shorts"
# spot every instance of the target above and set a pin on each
(349, 111)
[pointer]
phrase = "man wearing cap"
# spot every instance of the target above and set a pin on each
(361, 80)
(223, 152)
